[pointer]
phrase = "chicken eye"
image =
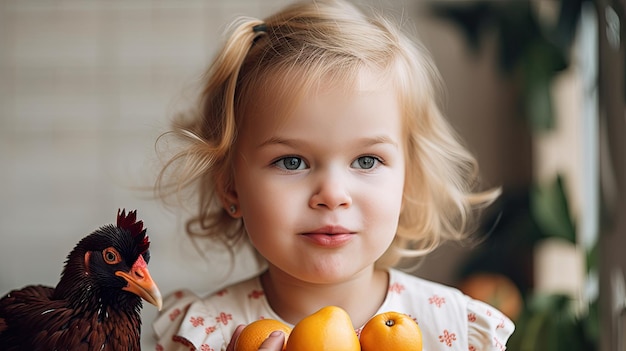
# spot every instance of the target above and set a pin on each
(111, 256)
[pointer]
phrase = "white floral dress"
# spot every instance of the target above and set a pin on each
(448, 319)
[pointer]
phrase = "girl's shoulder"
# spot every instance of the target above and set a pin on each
(419, 297)
(446, 316)
(187, 319)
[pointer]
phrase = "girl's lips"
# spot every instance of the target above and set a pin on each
(329, 240)
(330, 230)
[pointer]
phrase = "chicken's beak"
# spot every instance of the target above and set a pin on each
(141, 284)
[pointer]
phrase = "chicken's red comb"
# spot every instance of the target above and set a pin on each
(135, 227)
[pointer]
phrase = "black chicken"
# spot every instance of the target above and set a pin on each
(97, 303)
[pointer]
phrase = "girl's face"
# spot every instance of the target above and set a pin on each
(320, 190)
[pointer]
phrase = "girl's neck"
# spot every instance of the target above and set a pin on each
(293, 300)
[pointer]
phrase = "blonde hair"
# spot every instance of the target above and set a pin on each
(279, 59)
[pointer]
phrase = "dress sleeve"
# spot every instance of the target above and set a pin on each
(489, 329)
(167, 324)
(184, 324)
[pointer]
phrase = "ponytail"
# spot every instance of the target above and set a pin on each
(219, 95)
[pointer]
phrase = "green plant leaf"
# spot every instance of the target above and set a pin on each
(593, 260)
(550, 209)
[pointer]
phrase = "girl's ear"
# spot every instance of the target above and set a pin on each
(228, 196)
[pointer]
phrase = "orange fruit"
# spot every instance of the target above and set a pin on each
(329, 329)
(391, 331)
(253, 335)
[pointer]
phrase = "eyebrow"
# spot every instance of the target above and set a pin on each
(379, 139)
(277, 140)
(367, 141)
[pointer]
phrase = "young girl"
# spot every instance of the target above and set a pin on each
(318, 139)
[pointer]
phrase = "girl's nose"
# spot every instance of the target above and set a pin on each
(331, 193)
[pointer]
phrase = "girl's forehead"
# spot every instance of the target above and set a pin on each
(364, 109)
(327, 119)
(280, 93)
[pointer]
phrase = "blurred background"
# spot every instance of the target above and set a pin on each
(535, 88)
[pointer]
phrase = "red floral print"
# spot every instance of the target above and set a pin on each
(205, 347)
(179, 294)
(471, 317)
(255, 294)
(209, 330)
(224, 318)
(222, 292)
(175, 313)
(159, 347)
(471, 348)
(196, 321)
(396, 288)
(501, 324)
(497, 343)
(447, 337)
(437, 300)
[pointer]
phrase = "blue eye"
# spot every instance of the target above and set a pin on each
(365, 162)
(290, 163)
